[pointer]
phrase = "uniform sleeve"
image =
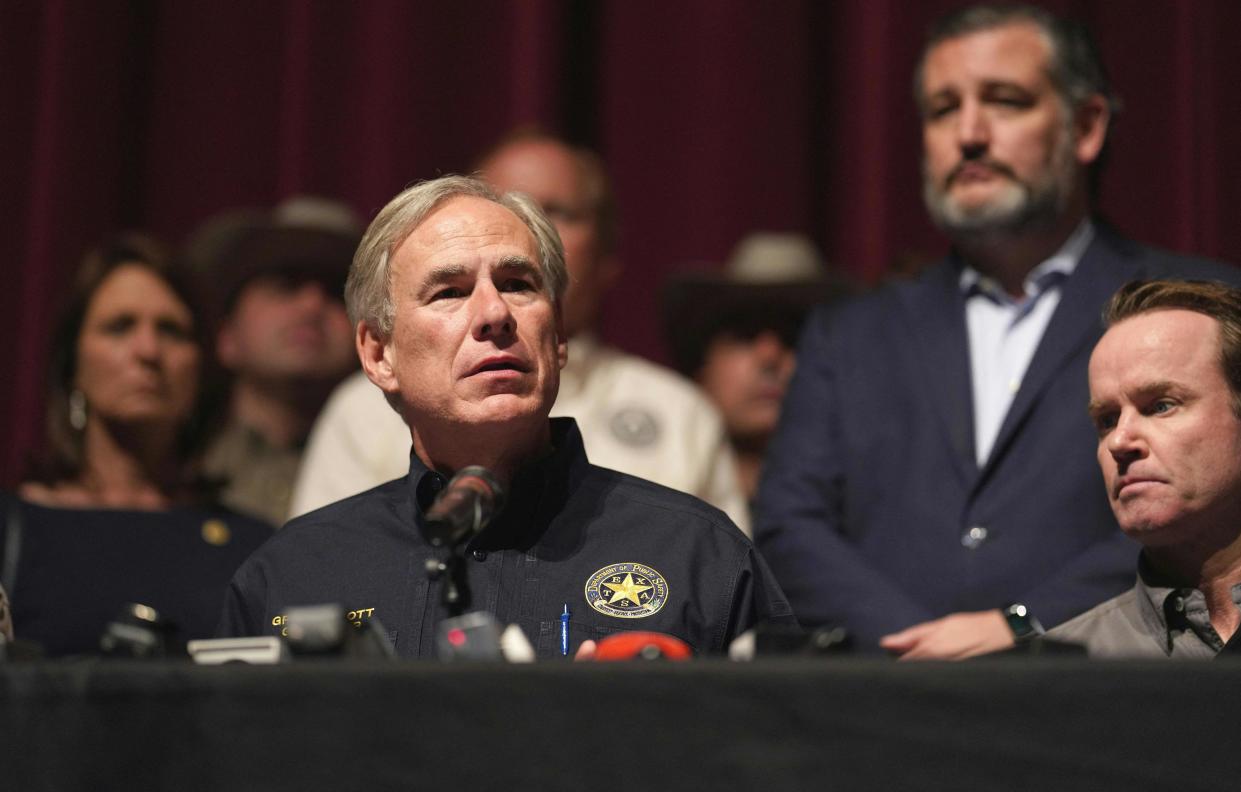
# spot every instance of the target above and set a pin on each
(358, 442)
(757, 599)
(244, 604)
(799, 528)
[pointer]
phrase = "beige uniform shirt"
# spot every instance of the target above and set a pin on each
(258, 476)
(634, 416)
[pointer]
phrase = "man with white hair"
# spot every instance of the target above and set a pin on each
(455, 293)
(634, 416)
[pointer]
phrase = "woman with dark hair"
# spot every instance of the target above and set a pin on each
(115, 510)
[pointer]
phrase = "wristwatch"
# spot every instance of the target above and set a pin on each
(1021, 622)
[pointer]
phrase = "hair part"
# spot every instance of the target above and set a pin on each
(368, 289)
(1216, 300)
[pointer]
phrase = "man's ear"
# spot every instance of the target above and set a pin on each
(562, 339)
(1090, 124)
(376, 356)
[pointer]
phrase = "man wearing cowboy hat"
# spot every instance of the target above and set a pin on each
(734, 333)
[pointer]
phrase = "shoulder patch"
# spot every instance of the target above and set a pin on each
(634, 426)
(627, 591)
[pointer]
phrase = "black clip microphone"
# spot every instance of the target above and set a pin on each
(464, 508)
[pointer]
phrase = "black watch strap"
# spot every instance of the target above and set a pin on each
(1021, 622)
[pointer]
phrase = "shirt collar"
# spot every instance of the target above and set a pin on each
(1048, 273)
(1155, 601)
(536, 491)
(1168, 609)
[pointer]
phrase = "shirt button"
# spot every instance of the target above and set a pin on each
(974, 537)
(480, 555)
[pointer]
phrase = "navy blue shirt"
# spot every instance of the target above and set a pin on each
(75, 569)
(622, 553)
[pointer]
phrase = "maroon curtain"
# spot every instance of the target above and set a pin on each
(716, 117)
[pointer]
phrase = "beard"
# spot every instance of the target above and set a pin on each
(1019, 204)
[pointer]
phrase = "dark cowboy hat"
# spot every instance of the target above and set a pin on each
(297, 241)
(770, 282)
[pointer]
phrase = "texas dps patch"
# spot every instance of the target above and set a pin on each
(627, 591)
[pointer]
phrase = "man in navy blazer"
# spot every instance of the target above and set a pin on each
(933, 486)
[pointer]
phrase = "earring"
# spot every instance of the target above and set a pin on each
(77, 409)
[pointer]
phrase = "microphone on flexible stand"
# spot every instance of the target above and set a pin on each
(460, 513)
(464, 508)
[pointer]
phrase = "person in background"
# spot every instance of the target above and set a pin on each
(634, 416)
(282, 338)
(116, 509)
(932, 487)
(734, 334)
(1165, 399)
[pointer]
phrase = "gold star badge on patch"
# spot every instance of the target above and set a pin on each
(627, 589)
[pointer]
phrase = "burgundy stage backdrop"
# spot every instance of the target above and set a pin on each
(716, 118)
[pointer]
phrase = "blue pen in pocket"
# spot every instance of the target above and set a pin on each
(564, 631)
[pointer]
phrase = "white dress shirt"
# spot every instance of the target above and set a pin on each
(1004, 332)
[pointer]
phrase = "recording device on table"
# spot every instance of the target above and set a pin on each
(141, 632)
(769, 640)
(312, 632)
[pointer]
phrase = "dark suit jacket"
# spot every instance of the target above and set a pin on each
(871, 482)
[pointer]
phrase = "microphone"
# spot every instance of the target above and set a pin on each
(640, 645)
(464, 508)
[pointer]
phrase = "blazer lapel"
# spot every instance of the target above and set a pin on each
(1076, 321)
(936, 313)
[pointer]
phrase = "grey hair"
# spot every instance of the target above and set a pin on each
(368, 290)
(1075, 67)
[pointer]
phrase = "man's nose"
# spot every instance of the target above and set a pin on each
(1127, 442)
(973, 129)
(769, 348)
(492, 316)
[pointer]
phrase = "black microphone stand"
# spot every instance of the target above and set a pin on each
(449, 535)
(449, 566)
